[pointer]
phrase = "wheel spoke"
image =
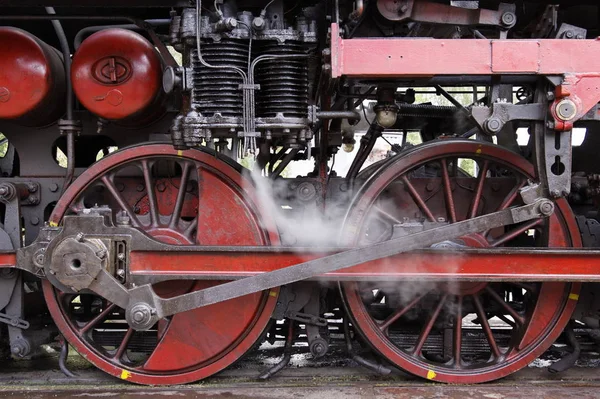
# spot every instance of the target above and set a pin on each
(146, 169)
(185, 173)
(512, 196)
(427, 329)
(516, 317)
(486, 326)
(400, 312)
(97, 319)
(122, 203)
(457, 344)
(448, 191)
(191, 228)
(477, 199)
(515, 232)
(123, 346)
(386, 215)
(417, 198)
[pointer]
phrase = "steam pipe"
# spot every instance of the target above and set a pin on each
(376, 367)
(69, 122)
(64, 46)
(287, 354)
(338, 115)
(92, 29)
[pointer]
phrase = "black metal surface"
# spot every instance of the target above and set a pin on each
(283, 85)
(217, 91)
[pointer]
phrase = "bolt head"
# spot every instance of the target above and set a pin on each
(493, 125)
(509, 19)
(566, 110)
(547, 208)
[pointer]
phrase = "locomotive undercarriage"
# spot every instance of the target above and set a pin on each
(460, 259)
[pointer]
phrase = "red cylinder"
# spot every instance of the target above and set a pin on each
(32, 79)
(117, 75)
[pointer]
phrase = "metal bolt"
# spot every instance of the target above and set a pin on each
(121, 273)
(101, 254)
(258, 23)
(35, 220)
(580, 36)
(441, 220)
(39, 260)
(138, 316)
(566, 109)
(53, 187)
(123, 219)
(569, 34)
(508, 19)
(120, 186)
(555, 193)
(79, 237)
(493, 125)
(430, 186)
(161, 187)
(140, 187)
(546, 208)
(550, 95)
(550, 125)
(121, 256)
(31, 187)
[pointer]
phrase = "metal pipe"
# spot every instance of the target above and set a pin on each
(287, 354)
(64, 46)
(373, 366)
(92, 29)
(62, 358)
(338, 115)
(284, 162)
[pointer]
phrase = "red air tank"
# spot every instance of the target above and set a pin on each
(32, 79)
(117, 75)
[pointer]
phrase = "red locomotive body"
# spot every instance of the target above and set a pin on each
(148, 201)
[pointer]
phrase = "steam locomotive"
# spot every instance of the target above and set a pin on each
(151, 218)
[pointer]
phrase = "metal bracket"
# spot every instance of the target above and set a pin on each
(14, 321)
(492, 119)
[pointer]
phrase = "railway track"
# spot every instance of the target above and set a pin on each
(335, 376)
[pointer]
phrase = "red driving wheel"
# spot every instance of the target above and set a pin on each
(181, 198)
(467, 332)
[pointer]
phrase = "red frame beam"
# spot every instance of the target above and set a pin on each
(416, 57)
(472, 265)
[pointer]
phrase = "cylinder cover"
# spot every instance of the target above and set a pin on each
(32, 79)
(117, 74)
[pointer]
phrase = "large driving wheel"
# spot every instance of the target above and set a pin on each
(457, 332)
(180, 198)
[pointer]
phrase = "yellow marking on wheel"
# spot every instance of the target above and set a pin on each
(478, 151)
(179, 153)
(53, 224)
(125, 374)
(574, 296)
(272, 293)
(431, 375)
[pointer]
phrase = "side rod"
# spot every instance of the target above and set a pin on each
(144, 297)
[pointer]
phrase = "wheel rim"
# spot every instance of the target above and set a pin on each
(214, 207)
(459, 332)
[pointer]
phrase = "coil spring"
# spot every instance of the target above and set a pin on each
(283, 82)
(217, 90)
